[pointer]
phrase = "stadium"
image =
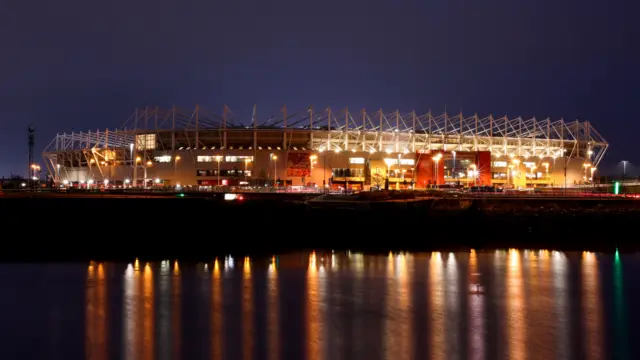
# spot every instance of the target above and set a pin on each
(341, 149)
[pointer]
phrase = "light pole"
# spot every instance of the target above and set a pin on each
(58, 167)
(246, 164)
(586, 172)
(147, 164)
(312, 160)
(218, 158)
(275, 169)
(455, 176)
(554, 170)
(135, 170)
(175, 165)
(516, 166)
(133, 161)
(473, 172)
(624, 171)
(436, 158)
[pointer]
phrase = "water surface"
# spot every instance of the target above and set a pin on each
(491, 305)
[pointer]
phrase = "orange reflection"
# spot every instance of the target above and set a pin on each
(164, 310)
(148, 315)
(217, 313)
(515, 306)
(436, 287)
(131, 299)
(476, 309)
(176, 313)
(247, 311)
(96, 313)
(399, 319)
(452, 296)
(559, 266)
(543, 307)
(314, 319)
(592, 305)
(273, 326)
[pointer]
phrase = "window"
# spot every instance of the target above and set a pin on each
(226, 173)
(499, 164)
(238, 158)
(348, 172)
(390, 161)
(162, 159)
(357, 160)
(146, 141)
(208, 158)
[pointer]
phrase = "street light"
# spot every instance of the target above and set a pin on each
(473, 172)
(586, 168)
(546, 169)
(133, 163)
(312, 160)
(218, 159)
(175, 164)
(246, 163)
(455, 174)
(275, 169)
(436, 158)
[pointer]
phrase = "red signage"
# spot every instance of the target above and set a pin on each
(298, 165)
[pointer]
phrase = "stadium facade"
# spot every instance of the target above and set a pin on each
(175, 147)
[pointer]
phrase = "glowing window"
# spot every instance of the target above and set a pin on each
(146, 141)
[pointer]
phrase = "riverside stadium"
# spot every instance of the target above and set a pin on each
(175, 147)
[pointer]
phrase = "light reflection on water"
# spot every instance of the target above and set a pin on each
(478, 305)
(592, 307)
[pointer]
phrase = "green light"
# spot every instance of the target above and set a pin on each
(180, 195)
(616, 188)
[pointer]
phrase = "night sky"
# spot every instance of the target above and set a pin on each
(78, 65)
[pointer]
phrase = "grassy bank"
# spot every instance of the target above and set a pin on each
(45, 228)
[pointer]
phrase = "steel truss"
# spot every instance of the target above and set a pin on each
(341, 130)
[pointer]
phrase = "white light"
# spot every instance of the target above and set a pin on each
(126, 181)
(90, 182)
(157, 181)
(106, 181)
(23, 184)
(66, 182)
(178, 186)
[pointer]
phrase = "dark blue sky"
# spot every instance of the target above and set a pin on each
(86, 65)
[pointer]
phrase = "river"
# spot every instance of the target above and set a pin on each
(513, 304)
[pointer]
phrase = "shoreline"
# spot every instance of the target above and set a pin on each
(195, 228)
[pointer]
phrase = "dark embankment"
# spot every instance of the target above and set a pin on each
(119, 228)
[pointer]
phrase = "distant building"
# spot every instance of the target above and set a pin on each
(159, 147)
